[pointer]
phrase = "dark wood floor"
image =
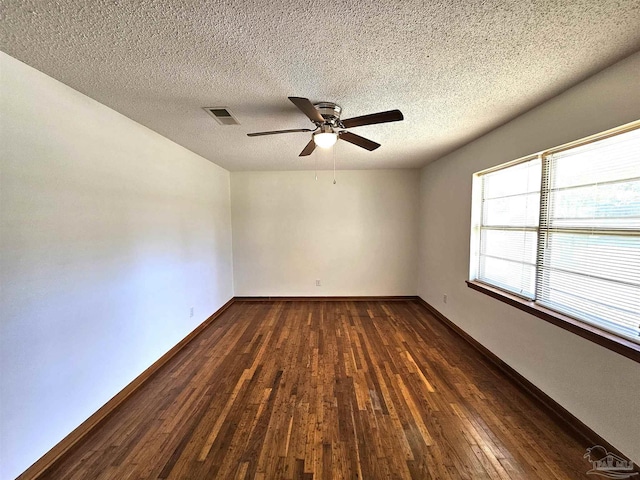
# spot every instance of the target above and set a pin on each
(315, 390)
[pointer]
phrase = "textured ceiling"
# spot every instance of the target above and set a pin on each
(455, 69)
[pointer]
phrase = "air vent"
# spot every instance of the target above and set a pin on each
(222, 115)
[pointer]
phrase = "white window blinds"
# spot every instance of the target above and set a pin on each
(589, 243)
(563, 229)
(509, 226)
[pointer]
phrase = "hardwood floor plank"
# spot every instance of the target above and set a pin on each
(326, 390)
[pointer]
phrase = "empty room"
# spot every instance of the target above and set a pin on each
(319, 240)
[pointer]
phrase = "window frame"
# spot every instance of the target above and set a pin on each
(584, 329)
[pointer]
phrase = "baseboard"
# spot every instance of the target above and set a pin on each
(565, 419)
(328, 299)
(66, 444)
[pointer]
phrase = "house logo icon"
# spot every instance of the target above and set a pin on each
(607, 464)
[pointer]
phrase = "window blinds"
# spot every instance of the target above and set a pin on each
(589, 239)
(508, 227)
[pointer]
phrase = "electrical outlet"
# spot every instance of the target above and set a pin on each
(191, 312)
(318, 283)
(444, 298)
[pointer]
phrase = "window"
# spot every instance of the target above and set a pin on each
(561, 229)
(509, 227)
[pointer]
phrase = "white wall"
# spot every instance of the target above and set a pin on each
(359, 236)
(109, 234)
(598, 386)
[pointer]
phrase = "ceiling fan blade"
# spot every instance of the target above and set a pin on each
(381, 117)
(358, 140)
(308, 150)
(307, 108)
(294, 130)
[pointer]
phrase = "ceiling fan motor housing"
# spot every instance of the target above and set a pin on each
(326, 128)
(329, 111)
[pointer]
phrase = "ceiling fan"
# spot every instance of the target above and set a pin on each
(329, 127)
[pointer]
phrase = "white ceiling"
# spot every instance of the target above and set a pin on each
(455, 69)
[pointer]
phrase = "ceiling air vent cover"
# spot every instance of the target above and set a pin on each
(222, 115)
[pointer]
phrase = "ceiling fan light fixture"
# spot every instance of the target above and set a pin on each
(325, 139)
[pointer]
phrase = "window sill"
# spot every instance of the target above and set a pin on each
(594, 334)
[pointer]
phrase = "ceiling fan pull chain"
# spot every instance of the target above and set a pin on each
(334, 164)
(315, 166)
